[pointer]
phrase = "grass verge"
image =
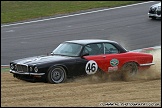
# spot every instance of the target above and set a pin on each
(5, 69)
(13, 11)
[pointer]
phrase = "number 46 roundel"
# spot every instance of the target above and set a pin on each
(91, 67)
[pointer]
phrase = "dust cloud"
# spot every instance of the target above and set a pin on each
(153, 73)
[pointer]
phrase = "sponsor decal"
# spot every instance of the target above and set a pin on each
(112, 69)
(114, 62)
(91, 67)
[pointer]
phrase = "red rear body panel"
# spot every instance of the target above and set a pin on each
(104, 61)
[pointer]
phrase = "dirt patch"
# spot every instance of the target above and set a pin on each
(85, 91)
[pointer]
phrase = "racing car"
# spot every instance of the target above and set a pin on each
(155, 11)
(81, 57)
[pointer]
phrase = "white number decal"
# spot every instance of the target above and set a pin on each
(91, 67)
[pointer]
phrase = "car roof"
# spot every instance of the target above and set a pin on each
(88, 41)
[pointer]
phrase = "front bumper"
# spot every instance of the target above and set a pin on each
(154, 15)
(26, 73)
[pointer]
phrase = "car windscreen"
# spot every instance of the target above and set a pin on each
(68, 49)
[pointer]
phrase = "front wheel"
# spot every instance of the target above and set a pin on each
(56, 75)
(129, 70)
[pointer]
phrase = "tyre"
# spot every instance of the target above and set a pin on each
(56, 75)
(129, 70)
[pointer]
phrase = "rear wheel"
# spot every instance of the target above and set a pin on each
(56, 75)
(129, 70)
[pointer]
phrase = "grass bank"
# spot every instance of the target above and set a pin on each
(13, 11)
(5, 69)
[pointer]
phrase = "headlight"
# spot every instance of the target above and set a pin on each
(153, 8)
(30, 69)
(12, 66)
(36, 69)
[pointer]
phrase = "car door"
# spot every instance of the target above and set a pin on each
(96, 57)
(113, 58)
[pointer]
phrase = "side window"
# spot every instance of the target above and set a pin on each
(110, 49)
(94, 49)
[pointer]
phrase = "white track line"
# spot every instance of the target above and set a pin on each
(75, 14)
(5, 65)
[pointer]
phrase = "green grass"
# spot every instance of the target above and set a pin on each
(13, 11)
(5, 69)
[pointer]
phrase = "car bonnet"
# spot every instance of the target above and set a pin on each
(41, 59)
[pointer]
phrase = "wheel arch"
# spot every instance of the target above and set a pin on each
(130, 62)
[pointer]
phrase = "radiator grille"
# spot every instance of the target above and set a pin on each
(22, 68)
